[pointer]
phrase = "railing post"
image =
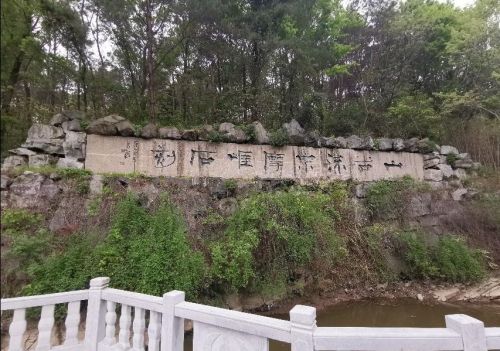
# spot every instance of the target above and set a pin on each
(471, 330)
(95, 325)
(303, 320)
(172, 327)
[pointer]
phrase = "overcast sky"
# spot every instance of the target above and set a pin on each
(463, 3)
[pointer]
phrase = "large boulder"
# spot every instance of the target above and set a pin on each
(463, 161)
(22, 151)
(73, 125)
(232, 133)
(312, 139)
(360, 143)
(102, 126)
(32, 190)
(149, 131)
(13, 161)
(43, 132)
(189, 134)
(5, 182)
(398, 144)
(411, 145)
(446, 170)
(384, 144)
(261, 135)
(425, 145)
(296, 134)
(446, 150)
(125, 128)
(433, 175)
(170, 133)
(58, 119)
(74, 145)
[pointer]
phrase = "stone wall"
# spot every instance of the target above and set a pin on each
(113, 144)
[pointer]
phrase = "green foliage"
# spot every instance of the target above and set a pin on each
(451, 159)
(216, 137)
(449, 259)
(386, 199)
(249, 131)
(278, 137)
(145, 252)
(273, 234)
(25, 242)
(231, 185)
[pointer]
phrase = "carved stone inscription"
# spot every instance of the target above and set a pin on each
(176, 158)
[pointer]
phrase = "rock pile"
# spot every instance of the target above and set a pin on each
(447, 163)
(61, 143)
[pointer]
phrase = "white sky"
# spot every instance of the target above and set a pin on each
(462, 3)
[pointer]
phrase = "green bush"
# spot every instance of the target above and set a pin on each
(273, 234)
(25, 242)
(449, 259)
(144, 252)
(278, 137)
(451, 159)
(457, 262)
(388, 199)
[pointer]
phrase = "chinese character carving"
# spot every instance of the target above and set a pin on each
(204, 157)
(305, 161)
(393, 164)
(273, 161)
(365, 164)
(126, 151)
(335, 164)
(244, 158)
(162, 157)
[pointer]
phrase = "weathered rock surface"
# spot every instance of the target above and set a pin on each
(69, 163)
(384, 144)
(5, 182)
(13, 161)
(96, 184)
(32, 190)
(447, 170)
(41, 160)
(149, 131)
(102, 126)
(169, 133)
(261, 135)
(398, 144)
(295, 133)
(45, 138)
(446, 150)
(125, 128)
(22, 151)
(189, 134)
(434, 175)
(58, 119)
(360, 143)
(73, 125)
(458, 194)
(74, 145)
(232, 133)
(411, 145)
(420, 205)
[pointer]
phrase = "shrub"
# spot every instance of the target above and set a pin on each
(388, 199)
(278, 137)
(144, 252)
(249, 131)
(451, 159)
(24, 242)
(457, 262)
(449, 259)
(273, 234)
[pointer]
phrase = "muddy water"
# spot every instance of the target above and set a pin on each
(393, 313)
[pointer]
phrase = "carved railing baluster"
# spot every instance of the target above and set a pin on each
(139, 326)
(72, 323)
(45, 326)
(154, 328)
(110, 338)
(17, 329)
(125, 322)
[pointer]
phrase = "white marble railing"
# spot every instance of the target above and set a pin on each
(118, 320)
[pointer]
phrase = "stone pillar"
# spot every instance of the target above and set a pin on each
(471, 330)
(172, 327)
(95, 325)
(303, 320)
